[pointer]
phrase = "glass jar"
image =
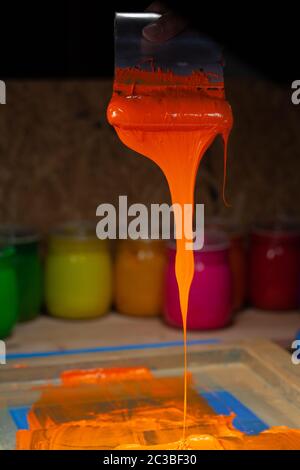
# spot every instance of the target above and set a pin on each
(139, 277)
(8, 292)
(238, 258)
(275, 267)
(210, 298)
(78, 273)
(28, 269)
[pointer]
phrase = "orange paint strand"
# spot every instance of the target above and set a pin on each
(135, 414)
(172, 120)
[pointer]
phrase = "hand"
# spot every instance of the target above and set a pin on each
(166, 27)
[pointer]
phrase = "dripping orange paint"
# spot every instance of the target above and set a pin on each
(172, 120)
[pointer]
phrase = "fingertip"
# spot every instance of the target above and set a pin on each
(152, 32)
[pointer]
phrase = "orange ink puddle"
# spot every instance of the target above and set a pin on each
(104, 412)
(172, 120)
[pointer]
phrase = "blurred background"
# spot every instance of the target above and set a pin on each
(60, 158)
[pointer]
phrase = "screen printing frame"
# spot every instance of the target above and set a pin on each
(258, 375)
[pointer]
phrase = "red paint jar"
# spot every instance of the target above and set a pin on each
(210, 299)
(275, 267)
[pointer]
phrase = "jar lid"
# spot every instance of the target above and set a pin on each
(277, 228)
(6, 252)
(229, 226)
(17, 235)
(80, 230)
(146, 241)
(214, 240)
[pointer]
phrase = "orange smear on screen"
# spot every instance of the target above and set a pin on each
(172, 120)
(75, 377)
(132, 414)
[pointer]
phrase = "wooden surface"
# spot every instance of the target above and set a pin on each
(60, 158)
(50, 334)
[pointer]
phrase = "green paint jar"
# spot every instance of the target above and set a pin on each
(28, 269)
(8, 292)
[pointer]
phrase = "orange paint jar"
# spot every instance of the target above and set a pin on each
(139, 277)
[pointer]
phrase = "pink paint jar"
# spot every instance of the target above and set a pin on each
(210, 299)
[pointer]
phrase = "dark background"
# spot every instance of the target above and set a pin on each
(59, 158)
(44, 39)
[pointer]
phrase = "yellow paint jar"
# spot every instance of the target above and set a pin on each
(78, 273)
(139, 277)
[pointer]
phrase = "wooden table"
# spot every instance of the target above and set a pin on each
(115, 331)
